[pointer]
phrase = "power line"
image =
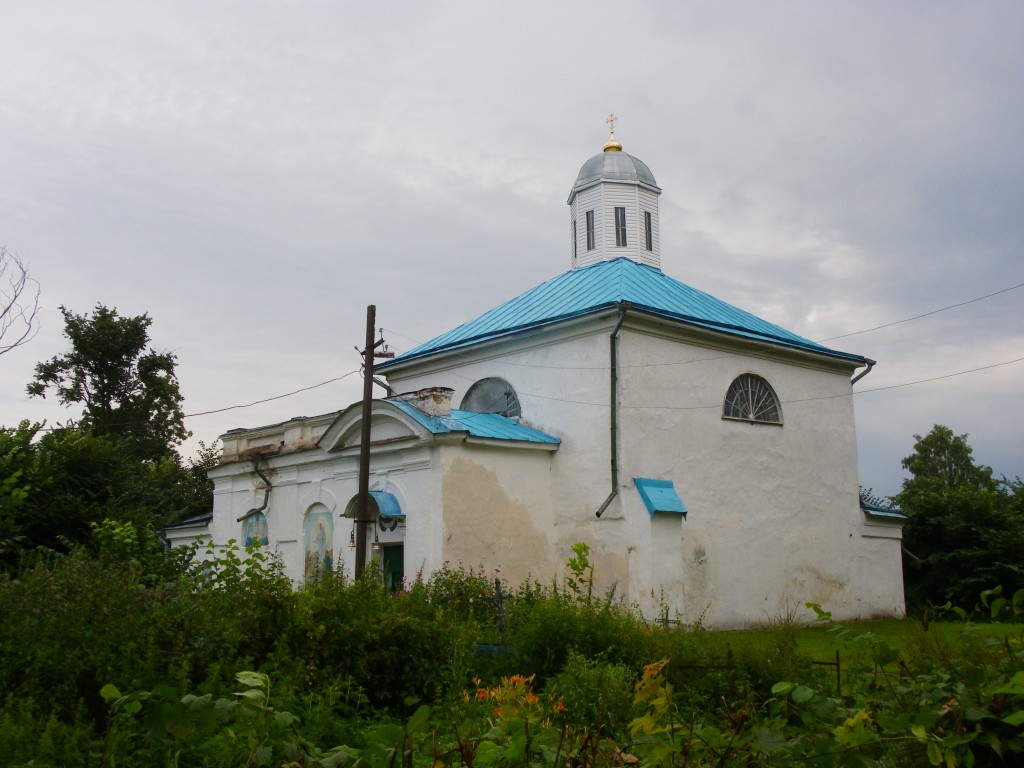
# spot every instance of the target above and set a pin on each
(603, 405)
(640, 365)
(199, 413)
(783, 402)
(269, 399)
(927, 314)
(936, 378)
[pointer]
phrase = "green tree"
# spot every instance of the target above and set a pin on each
(55, 486)
(966, 529)
(124, 387)
(946, 459)
(118, 462)
(15, 464)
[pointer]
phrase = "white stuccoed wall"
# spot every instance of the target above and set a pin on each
(309, 477)
(774, 518)
(771, 509)
(475, 504)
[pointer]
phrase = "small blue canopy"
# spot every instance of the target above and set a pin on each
(387, 504)
(659, 496)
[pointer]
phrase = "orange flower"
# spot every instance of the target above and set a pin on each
(531, 698)
(517, 679)
(560, 706)
(481, 694)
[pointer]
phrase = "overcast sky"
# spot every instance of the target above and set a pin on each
(253, 174)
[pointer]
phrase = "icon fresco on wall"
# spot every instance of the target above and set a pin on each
(319, 530)
(254, 530)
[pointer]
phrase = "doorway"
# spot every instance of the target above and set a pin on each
(392, 560)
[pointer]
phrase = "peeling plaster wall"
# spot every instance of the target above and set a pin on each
(496, 501)
(562, 380)
(497, 511)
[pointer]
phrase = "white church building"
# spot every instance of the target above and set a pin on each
(707, 457)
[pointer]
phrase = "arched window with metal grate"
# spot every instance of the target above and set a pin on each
(492, 395)
(751, 398)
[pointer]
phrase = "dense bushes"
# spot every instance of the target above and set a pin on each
(120, 654)
(74, 622)
(392, 652)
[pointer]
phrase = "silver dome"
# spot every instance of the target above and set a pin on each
(614, 166)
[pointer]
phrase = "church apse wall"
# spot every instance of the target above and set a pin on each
(773, 515)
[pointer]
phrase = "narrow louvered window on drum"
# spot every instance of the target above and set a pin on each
(620, 227)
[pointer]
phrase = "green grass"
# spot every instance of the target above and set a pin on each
(907, 636)
(897, 634)
(821, 644)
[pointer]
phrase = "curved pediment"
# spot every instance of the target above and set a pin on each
(388, 424)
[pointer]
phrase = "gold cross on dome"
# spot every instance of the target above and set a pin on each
(611, 123)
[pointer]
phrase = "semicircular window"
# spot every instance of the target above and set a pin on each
(492, 395)
(751, 398)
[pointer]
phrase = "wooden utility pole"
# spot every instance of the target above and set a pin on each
(363, 516)
(363, 506)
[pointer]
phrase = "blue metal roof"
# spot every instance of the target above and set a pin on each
(484, 425)
(587, 290)
(887, 513)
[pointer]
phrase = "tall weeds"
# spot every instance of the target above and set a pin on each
(354, 664)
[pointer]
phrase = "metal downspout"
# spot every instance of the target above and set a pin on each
(383, 385)
(266, 492)
(613, 362)
(865, 372)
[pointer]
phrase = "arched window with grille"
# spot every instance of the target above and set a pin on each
(492, 395)
(751, 398)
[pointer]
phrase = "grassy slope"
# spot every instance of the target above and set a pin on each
(820, 644)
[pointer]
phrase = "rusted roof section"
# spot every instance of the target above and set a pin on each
(491, 426)
(588, 290)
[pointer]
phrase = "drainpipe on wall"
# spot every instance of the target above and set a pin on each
(865, 372)
(266, 492)
(613, 364)
(383, 385)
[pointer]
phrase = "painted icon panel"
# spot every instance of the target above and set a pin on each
(254, 530)
(319, 538)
